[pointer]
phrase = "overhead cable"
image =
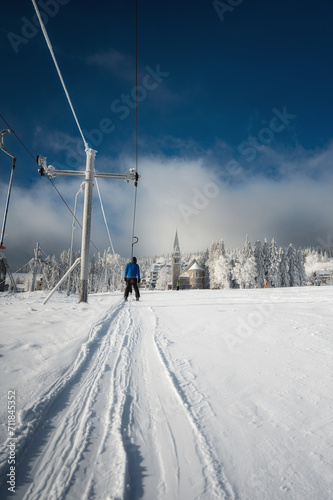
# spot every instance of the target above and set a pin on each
(106, 224)
(136, 124)
(57, 190)
(58, 69)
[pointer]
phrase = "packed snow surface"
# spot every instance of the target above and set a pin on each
(184, 395)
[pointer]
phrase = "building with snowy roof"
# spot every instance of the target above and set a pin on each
(193, 276)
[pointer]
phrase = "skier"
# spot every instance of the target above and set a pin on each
(132, 278)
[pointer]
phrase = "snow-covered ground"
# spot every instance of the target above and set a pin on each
(184, 395)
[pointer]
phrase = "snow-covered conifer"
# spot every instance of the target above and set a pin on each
(300, 267)
(222, 268)
(273, 274)
(244, 270)
(51, 274)
(248, 252)
(250, 272)
(214, 253)
(293, 266)
(284, 268)
(259, 260)
(237, 268)
(266, 257)
(222, 272)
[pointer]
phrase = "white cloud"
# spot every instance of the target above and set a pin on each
(119, 64)
(180, 193)
(57, 142)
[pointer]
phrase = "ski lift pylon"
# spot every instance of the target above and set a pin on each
(2, 147)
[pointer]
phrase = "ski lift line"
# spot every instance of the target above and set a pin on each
(93, 244)
(22, 267)
(130, 175)
(134, 218)
(45, 261)
(2, 147)
(73, 266)
(8, 131)
(36, 161)
(102, 208)
(17, 137)
(57, 190)
(58, 70)
(136, 128)
(136, 86)
(106, 224)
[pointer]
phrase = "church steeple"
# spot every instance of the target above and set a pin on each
(176, 247)
(175, 263)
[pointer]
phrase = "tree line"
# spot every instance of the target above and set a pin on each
(106, 271)
(246, 267)
(249, 267)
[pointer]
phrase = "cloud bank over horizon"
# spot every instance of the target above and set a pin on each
(204, 197)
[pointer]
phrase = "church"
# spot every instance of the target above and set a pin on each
(192, 277)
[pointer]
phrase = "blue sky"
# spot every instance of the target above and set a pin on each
(235, 132)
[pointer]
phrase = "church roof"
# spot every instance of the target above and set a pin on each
(195, 266)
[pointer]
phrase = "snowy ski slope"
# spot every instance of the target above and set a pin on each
(185, 395)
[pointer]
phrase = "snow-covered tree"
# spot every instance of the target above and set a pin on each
(214, 253)
(248, 252)
(284, 268)
(237, 268)
(63, 266)
(294, 273)
(250, 272)
(51, 274)
(266, 257)
(164, 277)
(223, 269)
(260, 265)
(273, 274)
(301, 267)
(114, 271)
(244, 269)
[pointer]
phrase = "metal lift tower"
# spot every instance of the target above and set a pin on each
(89, 174)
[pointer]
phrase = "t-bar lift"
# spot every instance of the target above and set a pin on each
(89, 174)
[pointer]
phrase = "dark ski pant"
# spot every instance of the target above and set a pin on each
(132, 282)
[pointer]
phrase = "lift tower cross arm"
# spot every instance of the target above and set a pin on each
(130, 175)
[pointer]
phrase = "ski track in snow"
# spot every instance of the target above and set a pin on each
(217, 486)
(67, 408)
(122, 421)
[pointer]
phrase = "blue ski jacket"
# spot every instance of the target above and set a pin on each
(132, 271)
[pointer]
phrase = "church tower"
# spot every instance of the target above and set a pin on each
(175, 263)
